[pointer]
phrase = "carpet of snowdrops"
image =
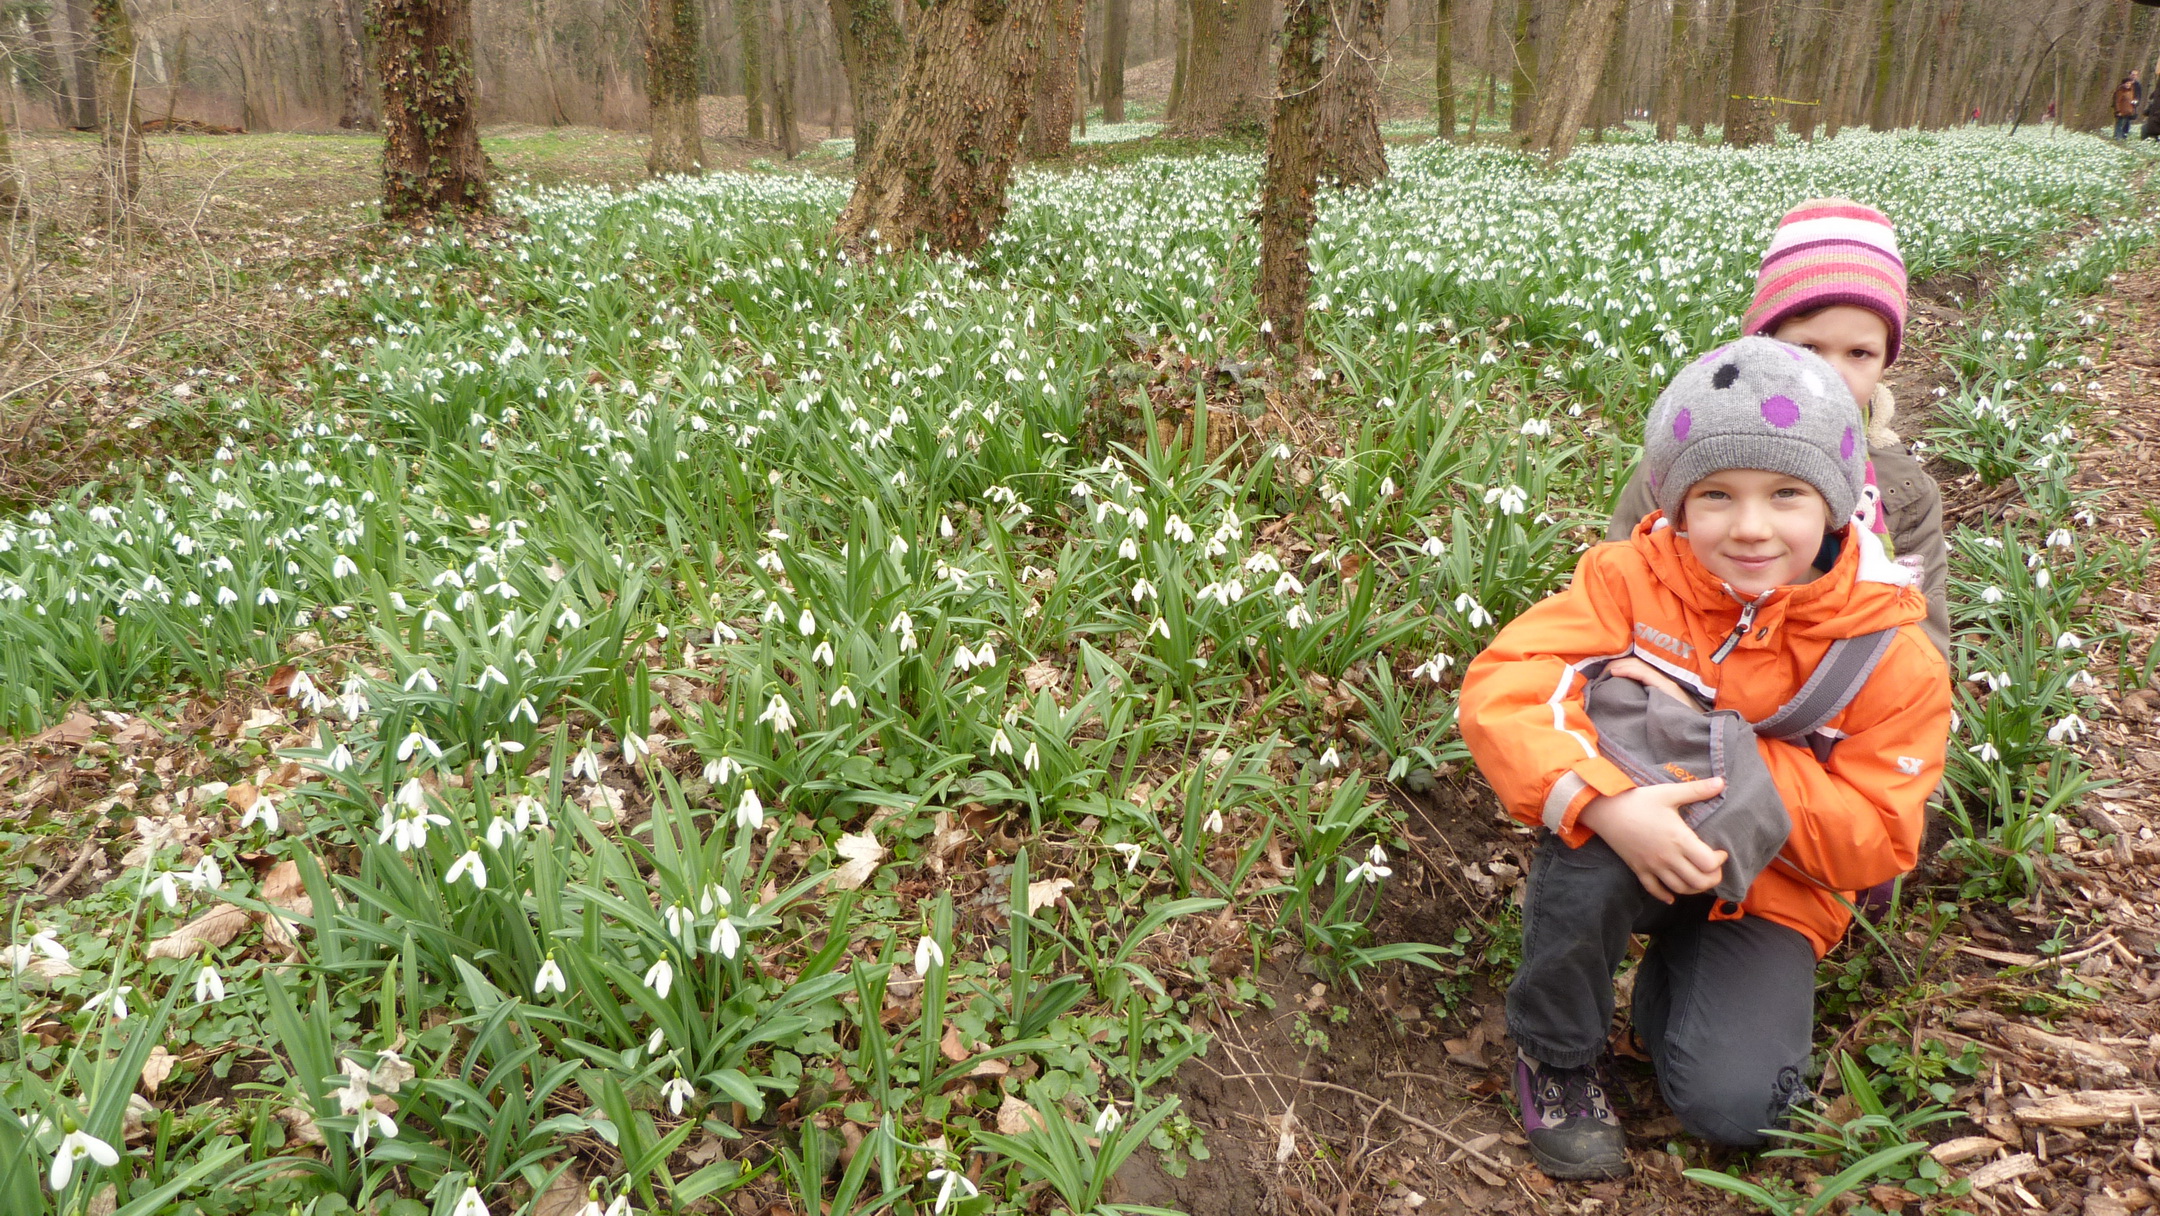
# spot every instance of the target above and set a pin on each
(738, 705)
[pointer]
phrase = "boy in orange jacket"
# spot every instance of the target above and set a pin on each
(1727, 598)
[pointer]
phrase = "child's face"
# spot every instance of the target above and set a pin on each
(1755, 530)
(1852, 339)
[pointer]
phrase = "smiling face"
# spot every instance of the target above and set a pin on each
(1755, 530)
(1849, 338)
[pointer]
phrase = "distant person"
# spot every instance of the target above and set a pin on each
(2151, 129)
(2128, 96)
(2050, 115)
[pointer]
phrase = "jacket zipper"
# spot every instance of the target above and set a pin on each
(1747, 622)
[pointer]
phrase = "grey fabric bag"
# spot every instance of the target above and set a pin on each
(1657, 740)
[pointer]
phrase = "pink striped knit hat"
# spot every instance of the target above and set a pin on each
(1830, 251)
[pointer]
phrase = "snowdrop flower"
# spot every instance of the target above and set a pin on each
(2060, 538)
(750, 812)
(1433, 668)
(1161, 628)
(842, 695)
(551, 976)
(75, 1146)
(1297, 616)
(1213, 822)
(1287, 584)
(372, 1122)
(470, 1204)
(423, 678)
(166, 888)
(115, 997)
(340, 760)
(806, 624)
(585, 764)
(779, 715)
(928, 954)
(726, 940)
(209, 986)
(634, 747)
(1986, 752)
(1130, 852)
(414, 742)
(206, 874)
(2068, 641)
(499, 831)
(1129, 549)
(1372, 869)
(1513, 499)
(1031, 760)
(950, 1181)
(2069, 730)
(660, 977)
(1433, 547)
(722, 770)
(493, 752)
(823, 655)
(1000, 745)
(679, 921)
(1109, 1120)
(1331, 758)
(1479, 618)
(469, 862)
(1536, 428)
(42, 942)
(1142, 591)
(527, 811)
(677, 1091)
(1177, 529)
(1991, 595)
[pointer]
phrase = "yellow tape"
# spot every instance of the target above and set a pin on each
(1787, 101)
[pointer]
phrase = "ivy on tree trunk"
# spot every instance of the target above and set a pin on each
(431, 137)
(873, 53)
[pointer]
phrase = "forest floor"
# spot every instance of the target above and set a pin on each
(1316, 1100)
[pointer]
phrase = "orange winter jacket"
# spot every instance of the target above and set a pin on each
(1856, 818)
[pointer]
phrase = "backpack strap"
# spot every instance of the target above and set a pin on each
(1837, 679)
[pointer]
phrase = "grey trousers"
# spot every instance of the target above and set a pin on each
(1726, 1008)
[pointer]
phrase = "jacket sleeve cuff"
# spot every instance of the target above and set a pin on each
(1591, 777)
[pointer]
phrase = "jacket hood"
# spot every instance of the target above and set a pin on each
(1863, 591)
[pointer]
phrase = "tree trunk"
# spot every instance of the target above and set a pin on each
(1672, 74)
(1444, 69)
(1577, 67)
(1182, 21)
(780, 77)
(749, 29)
(1351, 151)
(10, 183)
(356, 114)
(672, 46)
(1749, 113)
(1050, 113)
(1290, 182)
(939, 172)
(1838, 109)
(1810, 75)
(120, 132)
(1116, 17)
(1882, 116)
(873, 52)
(1226, 55)
(431, 138)
(1523, 84)
(83, 40)
(48, 59)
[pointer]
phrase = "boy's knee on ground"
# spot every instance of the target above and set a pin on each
(1731, 1103)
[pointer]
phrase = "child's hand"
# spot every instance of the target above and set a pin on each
(1643, 673)
(1644, 827)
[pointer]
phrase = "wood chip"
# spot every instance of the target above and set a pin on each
(1965, 1148)
(2088, 1108)
(2009, 1169)
(2007, 957)
(2079, 1054)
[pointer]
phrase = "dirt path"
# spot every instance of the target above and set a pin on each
(1365, 1101)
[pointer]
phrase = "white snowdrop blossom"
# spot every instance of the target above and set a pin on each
(2068, 730)
(779, 715)
(677, 1091)
(470, 1204)
(750, 811)
(1331, 758)
(928, 954)
(1109, 1120)
(1513, 499)
(75, 1146)
(1372, 869)
(660, 977)
(1474, 611)
(469, 864)
(951, 1182)
(209, 986)
(551, 976)
(1986, 752)
(1130, 852)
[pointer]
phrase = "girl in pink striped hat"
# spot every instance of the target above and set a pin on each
(1833, 281)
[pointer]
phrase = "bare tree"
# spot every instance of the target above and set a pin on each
(873, 53)
(750, 29)
(1226, 57)
(1524, 78)
(431, 138)
(356, 114)
(120, 132)
(1348, 115)
(1672, 74)
(671, 87)
(1050, 113)
(940, 169)
(780, 77)
(1577, 67)
(1309, 115)
(84, 42)
(1444, 68)
(1111, 88)
(1749, 110)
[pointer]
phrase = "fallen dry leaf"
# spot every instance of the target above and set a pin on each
(862, 853)
(217, 927)
(77, 729)
(157, 1066)
(564, 1197)
(262, 719)
(952, 1047)
(1015, 1117)
(299, 1126)
(1046, 892)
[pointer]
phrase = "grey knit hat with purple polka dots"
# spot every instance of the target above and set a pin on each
(1757, 404)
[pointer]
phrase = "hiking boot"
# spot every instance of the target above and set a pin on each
(1569, 1121)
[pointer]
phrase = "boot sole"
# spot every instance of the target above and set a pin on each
(1581, 1171)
